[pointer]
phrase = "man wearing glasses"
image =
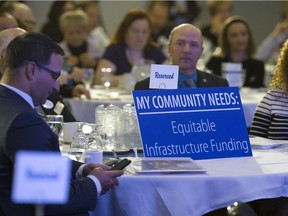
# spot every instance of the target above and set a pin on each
(57, 106)
(33, 63)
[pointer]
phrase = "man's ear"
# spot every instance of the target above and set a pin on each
(30, 70)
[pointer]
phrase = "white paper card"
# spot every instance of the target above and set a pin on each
(41, 178)
(164, 76)
(233, 74)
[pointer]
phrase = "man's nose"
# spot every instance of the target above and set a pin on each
(186, 47)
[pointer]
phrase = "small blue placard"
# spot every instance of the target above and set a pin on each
(200, 123)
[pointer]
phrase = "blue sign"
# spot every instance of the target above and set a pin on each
(198, 123)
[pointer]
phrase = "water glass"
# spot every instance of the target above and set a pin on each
(94, 139)
(106, 77)
(88, 77)
(114, 128)
(56, 123)
(79, 139)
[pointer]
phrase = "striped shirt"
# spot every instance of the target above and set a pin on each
(271, 117)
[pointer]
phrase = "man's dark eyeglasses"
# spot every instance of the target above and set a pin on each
(55, 75)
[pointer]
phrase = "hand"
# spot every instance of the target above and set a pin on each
(79, 90)
(72, 61)
(77, 74)
(107, 179)
(63, 79)
(89, 167)
(280, 29)
(87, 60)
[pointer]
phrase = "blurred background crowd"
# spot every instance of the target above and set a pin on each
(121, 34)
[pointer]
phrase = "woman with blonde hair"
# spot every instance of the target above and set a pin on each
(271, 117)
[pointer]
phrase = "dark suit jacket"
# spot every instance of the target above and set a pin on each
(56, 99)
(23, 129)
(254, 70)
(205, 80)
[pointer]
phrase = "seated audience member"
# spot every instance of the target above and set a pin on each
(7, 21)
(271, 117)
(66, 90)
(185, 48)
(269, 48)
(26, 83)
(219, 11)
(52, 27)
(183, 11)
(158, 12)
(74, 90)
(58, 106)
(79, 50)
(237, 46)
(96, 30)
(131, 43)
(22, 13)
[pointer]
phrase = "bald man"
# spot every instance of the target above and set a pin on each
(185, 49)
(7, 21)
(6, 36)
(22, 13)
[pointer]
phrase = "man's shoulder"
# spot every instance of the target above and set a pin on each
(211, 80)
(143, 84)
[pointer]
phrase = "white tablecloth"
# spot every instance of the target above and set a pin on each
(84, 109)
(226, 181)
(250, 99)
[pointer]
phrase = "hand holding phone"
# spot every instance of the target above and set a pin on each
(121, 164)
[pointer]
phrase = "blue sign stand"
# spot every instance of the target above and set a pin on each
(198, 123)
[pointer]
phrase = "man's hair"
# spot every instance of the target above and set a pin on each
(31, 46)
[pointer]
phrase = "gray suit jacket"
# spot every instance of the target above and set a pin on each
(23, 129)
(205, 80)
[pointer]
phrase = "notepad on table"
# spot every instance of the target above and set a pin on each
(167, 165)
(265, 143)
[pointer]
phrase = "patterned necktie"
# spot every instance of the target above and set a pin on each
(190, 83)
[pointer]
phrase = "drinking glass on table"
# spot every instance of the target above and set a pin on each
(56, 123)
(79, 138)
(106, 77)
(88, 77)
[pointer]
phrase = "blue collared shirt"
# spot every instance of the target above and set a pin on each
(182, 77)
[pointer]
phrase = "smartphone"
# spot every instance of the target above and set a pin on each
(121, 164)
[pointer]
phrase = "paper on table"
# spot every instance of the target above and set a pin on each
(264, 143)
(167, 165)
(271, 156)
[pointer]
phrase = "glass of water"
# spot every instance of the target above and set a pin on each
(106, 77)
(56, 123)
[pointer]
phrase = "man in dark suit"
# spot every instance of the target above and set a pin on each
(56, 104)
(185, 49)
(33, 64)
